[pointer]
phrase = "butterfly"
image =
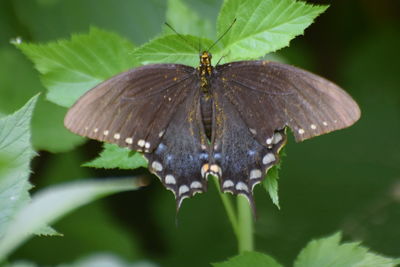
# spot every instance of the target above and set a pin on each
(226, 120)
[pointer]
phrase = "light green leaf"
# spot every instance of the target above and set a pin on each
(48, 131)
(185, 21)
(271, 184)
(53, 203)
(116, 157)
(47, 231)
(71, 67)
(254, 259)
(107, 260)
(15, 153)
(172, 49)
(329, 252)
(262, 26)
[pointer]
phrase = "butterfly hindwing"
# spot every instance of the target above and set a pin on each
(134, 108)
(271, 95)
(182, 151)
(242, 159)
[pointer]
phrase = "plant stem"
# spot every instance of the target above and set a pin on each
(242, 222)
(245, 225)
(230, 211)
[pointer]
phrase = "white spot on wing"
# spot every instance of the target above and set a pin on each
(95, 130)
(242, 186)
(161, 133)
(204, 170)
(196, 185)
(214, 168)
(147, 145)
(117, 136)
(269, 141)
(106, 132)
(183, 189)
(325, 123)
(141, 143)
(277, 138)
(255, 174)
(313, 126)
(129, 140)
(170, 179)
(268, 158)
(227, 183)
(157, 166)
(301, 131)
(253, 131)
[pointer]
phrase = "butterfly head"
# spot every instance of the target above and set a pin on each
(205, 59)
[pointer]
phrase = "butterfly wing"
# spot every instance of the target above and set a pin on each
(133, 108)
(182, 150)
(241, 159)
(271, 95)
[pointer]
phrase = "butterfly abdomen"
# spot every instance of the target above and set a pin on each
(206, 103)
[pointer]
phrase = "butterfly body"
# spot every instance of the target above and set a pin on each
(228, 120)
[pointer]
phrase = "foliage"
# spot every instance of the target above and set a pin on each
(351, 195)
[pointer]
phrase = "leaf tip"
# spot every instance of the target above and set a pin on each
(16, 41)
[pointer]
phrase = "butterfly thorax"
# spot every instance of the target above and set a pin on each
(205, 69)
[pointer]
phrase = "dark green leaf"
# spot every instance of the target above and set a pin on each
(253, 259)
(116, 157)
(328, 252)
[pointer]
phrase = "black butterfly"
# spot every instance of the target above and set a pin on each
(228, 120)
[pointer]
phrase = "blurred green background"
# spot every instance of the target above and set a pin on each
(348, 180)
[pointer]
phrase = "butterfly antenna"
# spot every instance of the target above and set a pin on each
(180, 35)
(221, 59)
(222, 35)
(199, 46)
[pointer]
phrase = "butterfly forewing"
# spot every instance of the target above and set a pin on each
(134, 108)
(271, 95)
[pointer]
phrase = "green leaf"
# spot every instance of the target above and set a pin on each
(21, 264)
(270, 182)
(48, 131)
(262, 26)
(248, 258)
(15, 155)
(172, 49)
(107, 260)
(54, 202)
(185, 21)
(71, 67)
(116, 157)
(329, 252)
